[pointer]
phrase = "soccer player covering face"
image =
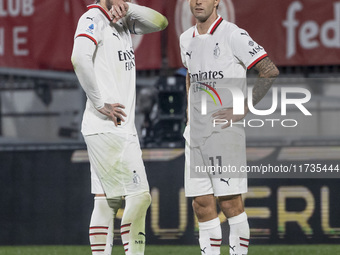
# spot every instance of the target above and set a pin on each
(104, 62)
(214, 51)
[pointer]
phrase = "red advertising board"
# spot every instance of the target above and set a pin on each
(303, 32)
(38, 34)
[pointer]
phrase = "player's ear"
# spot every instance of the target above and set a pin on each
(216, 4)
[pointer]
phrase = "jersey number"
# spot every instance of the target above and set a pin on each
(218, 165)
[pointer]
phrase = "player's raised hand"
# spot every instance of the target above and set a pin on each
(119, 9)
(114, 112)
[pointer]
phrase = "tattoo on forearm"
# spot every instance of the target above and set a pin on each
(267, 75)
(261, 88)
(266, 68)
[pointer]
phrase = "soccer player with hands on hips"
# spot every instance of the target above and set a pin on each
(104, 62)
(213, 51)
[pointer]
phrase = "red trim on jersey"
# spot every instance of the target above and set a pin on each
(241, 244)
(92, 6)
(218, 22)
(97, 250)
(213, 29)
(257, 60)
(88, 36)
(215, 245)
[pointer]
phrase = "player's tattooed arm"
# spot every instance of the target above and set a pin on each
(267, 75)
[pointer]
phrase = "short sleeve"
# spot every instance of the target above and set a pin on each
(87, 27)
(246, 49)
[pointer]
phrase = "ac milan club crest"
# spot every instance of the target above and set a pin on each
(217, 51)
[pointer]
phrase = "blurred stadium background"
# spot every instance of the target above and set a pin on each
(44, 169)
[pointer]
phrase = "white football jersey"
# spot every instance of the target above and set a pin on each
(216, 62)
(114, 68)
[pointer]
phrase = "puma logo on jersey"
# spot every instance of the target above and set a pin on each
(116, 35)
(141, 233)
(226, 181)
(189, 54)
(232, 247)
(90, 18)
(203, 250)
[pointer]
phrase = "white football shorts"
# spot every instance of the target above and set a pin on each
(117, 168)
(224, 149)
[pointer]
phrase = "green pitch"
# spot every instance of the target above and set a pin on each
(173, 250)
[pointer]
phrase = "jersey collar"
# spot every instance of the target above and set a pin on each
(212, 28)
(97, 6)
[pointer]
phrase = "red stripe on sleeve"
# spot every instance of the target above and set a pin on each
(257, 60)
(88, 36)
